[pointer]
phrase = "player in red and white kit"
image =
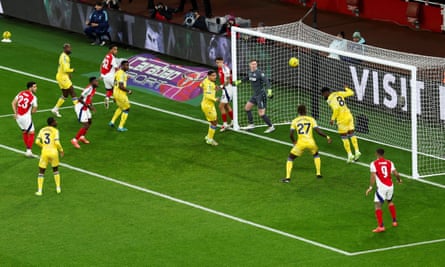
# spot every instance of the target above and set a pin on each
(23, 105)
(107, 70)
(381, 170)
(83, 110)
(225, 80)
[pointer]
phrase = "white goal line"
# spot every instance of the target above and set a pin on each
(231, 217)
(205, 122)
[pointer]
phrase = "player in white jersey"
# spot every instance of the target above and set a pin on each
(83, 111)
(225, 81)
(108, 68)
(381, 170)
(23, 105)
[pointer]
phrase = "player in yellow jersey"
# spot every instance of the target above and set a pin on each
(209, 98)
(48, 140)
(343, 117)
(120, 94)
(303, 126)
(63, 78)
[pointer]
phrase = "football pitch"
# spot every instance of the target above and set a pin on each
(157, 195)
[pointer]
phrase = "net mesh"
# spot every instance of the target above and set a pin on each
(381, 104)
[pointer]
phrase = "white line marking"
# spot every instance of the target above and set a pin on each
(190, 204)
(397, 247)
(205, 122)
(217, 212)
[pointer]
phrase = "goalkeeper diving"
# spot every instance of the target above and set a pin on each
(343, 117)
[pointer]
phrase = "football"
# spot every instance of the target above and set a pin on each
(6, 35)
(293, 62)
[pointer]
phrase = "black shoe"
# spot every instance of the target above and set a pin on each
(319, 176)
(285, 180)
(178, 10)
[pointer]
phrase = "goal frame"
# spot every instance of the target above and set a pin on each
(237, 31)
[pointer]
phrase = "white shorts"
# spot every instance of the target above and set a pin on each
(108, 80)
(82, 115)
(25, 122)
(227, 94)
(383, 193)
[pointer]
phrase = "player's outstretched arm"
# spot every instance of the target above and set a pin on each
(321, 133)
(348, 91)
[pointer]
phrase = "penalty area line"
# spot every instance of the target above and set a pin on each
(193, 205)
(231, 217)
(205, 122)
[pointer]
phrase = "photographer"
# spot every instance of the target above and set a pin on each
(193, 19)
(162, 12)
(226, 29)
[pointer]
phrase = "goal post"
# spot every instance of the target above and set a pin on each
(399, 98)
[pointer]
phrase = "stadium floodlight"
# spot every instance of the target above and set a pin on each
(399, 98)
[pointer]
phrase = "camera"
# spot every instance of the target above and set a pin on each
(189, 19)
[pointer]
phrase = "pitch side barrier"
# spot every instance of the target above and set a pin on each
(137, 31)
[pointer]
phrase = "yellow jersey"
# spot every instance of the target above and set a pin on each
(64, 68)
(48, 139)
(208, 92)
(120, 77)
(336, 101)
(303, 126)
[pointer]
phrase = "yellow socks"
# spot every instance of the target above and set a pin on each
(289, 165)
(60, 102)
(211, 132)
(40, 183)
(354, 143)
(57, 179)
(124, 117)
(117, 113)
(317, 162)
(347, 145)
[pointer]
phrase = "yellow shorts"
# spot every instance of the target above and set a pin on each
(300, 147)
(345, 124)
(64, 81)
(122, 101)
(209, 111)
(49, 156)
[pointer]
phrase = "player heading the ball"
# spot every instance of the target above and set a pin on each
(343, 117)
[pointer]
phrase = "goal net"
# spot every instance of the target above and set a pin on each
(399, 98)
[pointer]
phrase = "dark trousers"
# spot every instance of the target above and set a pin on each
(182, 3)
(95, 32)
(208, 8)
(151, 4)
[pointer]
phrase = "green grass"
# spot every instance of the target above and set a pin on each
(99, 223)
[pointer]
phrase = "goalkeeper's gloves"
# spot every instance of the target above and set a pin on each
(237, 82)
(269, 93)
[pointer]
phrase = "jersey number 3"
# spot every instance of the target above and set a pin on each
(47, 139)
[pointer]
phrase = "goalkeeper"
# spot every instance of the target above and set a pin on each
(260, 85)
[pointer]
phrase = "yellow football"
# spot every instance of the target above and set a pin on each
(293, 62)
(6, 35)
